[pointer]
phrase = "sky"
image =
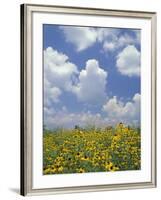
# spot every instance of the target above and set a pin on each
(91, 76)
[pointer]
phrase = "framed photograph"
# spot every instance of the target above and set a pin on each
(88, 99)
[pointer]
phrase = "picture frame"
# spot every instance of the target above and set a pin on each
(32, 19)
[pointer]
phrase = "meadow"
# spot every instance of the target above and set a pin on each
(90, 149)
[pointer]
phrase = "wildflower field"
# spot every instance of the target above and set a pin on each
(91, 150)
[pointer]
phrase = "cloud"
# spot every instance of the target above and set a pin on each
(128, 112)
(126, 39)
(128, 61)
(137, 35)
(84, 37)
(120, 41)
(58, 71)
(80, 37)
(111, 39)
(60, 74)
(91, 83)
(104, 34)
(109, 46)
(52, 95)
(69, 120)
(115, 112)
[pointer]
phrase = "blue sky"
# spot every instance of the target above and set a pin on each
(91, 76)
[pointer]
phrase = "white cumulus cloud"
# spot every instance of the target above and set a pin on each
(116, 42)
(104, 34)
(128, 61)
(118, 111)
(111, 38)
(58, 71)
(89, 85)
(80, 37)
(92, 83)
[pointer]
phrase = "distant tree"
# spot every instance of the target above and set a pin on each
(138, 130)
(44, 127)
(129, 127)
(108, 128)
(76, 127)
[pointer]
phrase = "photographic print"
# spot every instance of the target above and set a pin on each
(92, 99)
(88, 99)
